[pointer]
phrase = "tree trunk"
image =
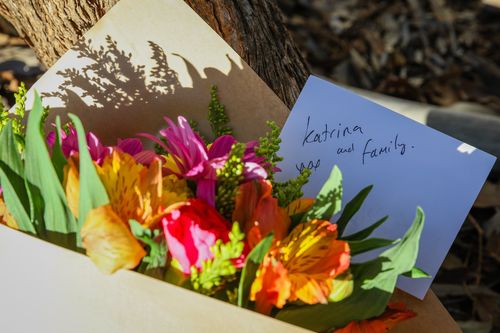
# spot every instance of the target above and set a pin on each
(254, 28)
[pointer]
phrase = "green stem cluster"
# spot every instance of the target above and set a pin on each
(229, 178)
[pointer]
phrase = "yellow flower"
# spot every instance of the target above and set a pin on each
(136, 192)
(303, 265)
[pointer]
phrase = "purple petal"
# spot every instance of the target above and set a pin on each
(96, 149)
(51, 139)
(221, 146)
(195, 171)
(131, 146)
(218, 163)
(205, 190)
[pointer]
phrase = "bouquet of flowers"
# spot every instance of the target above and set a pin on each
(204, 212)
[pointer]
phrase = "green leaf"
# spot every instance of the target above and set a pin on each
(43, 179)
(365, 245)
(254, 259)
(416, 273)
(12, 179)
(329, 200)
(362, 234)
(374, 283)
(352, 208)
(58, 159)
(92, 191)
(9, 153)
(16, 198)
(156, 259)
(138, 230)
(343, 286)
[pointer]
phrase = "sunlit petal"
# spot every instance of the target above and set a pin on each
(271, 287)
(109, 242)
(71, 184)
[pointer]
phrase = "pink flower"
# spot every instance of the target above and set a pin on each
(69, 146)
(135, 148)
(191, 229)
(198, 163)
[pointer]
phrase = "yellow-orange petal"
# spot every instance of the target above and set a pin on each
(121, 176)
(5, 217)
(313, 248)
(109, 242)
(309, 289)
(271, 287)
(71, 184)
(170, 164)
(313, 257)
(395, 313)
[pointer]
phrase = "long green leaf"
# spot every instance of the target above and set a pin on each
(254, 259)
(374, 283)
(329, 200)
(362, 234)
(42, 177)
(92, 191)
(58, 159)
(352, 208)
(8, 151)
(365, 245)
(12, 178)
(16, 200)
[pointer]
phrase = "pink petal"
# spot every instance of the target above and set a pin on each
(254, 171)
(145, 157)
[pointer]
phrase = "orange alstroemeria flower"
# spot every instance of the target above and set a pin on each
(136, 192)
(301, 267)
(395, 313)
(259, 214)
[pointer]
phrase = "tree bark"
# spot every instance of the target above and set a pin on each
(254, 28)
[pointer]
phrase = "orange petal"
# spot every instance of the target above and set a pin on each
(299, 206)
(256, 207)
(246, 201)
(109, 242)
(72, 184)
(271, 287)
(395, 313)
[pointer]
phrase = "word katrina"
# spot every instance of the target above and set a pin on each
(328, 133)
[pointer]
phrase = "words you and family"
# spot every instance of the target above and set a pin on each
(349, 139)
